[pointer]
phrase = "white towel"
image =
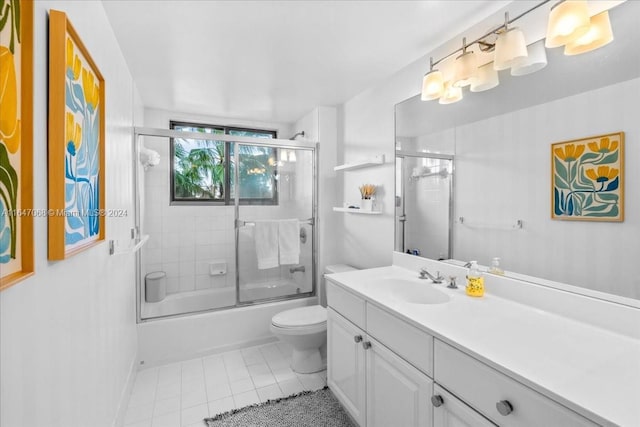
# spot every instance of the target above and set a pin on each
(289, 241)
(265, 236)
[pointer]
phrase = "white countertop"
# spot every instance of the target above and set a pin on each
(594, 371)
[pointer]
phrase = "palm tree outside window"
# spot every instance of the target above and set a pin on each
(203, 171)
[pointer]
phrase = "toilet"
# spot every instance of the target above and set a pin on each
(305, 329)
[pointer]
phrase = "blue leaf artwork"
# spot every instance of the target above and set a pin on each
(587, 178)
(82, 155)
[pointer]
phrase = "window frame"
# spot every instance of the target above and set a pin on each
(228, 200)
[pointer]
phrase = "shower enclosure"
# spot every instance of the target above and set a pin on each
(424, 204)
(202, 251)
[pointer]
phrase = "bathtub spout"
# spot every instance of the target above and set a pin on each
(299, 268)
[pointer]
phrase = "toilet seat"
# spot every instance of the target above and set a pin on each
(310, 317)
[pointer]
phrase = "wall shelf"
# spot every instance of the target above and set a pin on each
(374, 161)
(356, 211)
(130, 247)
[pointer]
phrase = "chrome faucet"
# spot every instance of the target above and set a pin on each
(424, 274)
(299, 268)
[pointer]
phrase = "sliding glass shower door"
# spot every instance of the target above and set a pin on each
(274, 200)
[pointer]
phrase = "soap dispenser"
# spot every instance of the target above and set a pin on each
(475, 281)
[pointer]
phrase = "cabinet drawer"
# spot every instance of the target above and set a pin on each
(483, 387)
(345, 303)
(409, 342)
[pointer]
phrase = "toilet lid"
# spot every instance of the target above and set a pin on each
(300, 317)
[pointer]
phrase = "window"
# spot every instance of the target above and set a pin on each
(203, 171)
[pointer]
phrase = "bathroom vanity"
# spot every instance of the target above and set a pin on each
(407, 352)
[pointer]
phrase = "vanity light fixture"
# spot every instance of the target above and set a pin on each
(432, 83)
(536, 60)
(466, 67)
(510, 46)
(569, 25)
(599, 34)
(487, 78)
(568, 20)
(451, 94)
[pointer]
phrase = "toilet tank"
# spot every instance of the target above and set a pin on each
(329, 269)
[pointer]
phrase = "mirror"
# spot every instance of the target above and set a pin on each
(501, 142)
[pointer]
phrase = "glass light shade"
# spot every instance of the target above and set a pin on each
(487, 78)
(510, 47)
(451, 94)
(568, 21)
(599, 34)
(432, 85)
(536, 60)
(466, 69)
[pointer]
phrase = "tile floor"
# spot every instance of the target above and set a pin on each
(182, 394)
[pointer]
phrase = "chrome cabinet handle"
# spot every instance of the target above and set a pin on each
(437, 400)
(504, 407)
(357, 338)
(366, 345)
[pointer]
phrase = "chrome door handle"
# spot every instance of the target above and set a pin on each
(366, 345)
(437, 400)
(357, 338)
(504, 407)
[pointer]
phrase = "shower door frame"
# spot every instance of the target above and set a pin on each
(264, 142)
(402, 154)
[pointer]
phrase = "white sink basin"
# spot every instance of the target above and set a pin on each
(411, 291)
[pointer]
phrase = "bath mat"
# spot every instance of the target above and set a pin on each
(309, 408)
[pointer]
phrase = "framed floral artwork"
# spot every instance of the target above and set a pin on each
(76, 143)
(16, 141)
(587, 178)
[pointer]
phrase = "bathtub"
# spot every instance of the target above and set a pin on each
(208, 299)
(179, 338)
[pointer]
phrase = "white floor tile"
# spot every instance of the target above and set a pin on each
(252, 356)
(269, 392)
(245, 399)
(167, 391)
(217, 391)
(284, 374)
(241, 386)
(193, 415)
(236, 373)
(290, 387)
(168, 420)
(142, 397)
(221, 405)
(138, 413)
(280, 363)
(169, 374)
(166, 406)
(195, 384)
(285, 349)
(311, 382)
(193, 398)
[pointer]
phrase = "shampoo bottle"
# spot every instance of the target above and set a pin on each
(475, 281)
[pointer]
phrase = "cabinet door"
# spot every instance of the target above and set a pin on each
(451, 412)
(345, 364)
(398, 394)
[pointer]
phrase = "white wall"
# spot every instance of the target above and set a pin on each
(503, 170)
(68, 334)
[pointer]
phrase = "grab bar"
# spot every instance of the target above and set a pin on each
(241, 223)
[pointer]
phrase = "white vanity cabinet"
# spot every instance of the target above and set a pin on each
(451, 412)
(375, 385)
(498, 397)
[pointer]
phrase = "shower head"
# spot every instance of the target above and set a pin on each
(301, 133)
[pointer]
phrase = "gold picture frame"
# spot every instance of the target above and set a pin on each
(16, 142)
(587, 179)
(76, 143)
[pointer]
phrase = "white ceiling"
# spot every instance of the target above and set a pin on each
(276, 60)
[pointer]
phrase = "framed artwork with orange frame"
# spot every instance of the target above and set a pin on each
(76, 143)
(16, 142)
